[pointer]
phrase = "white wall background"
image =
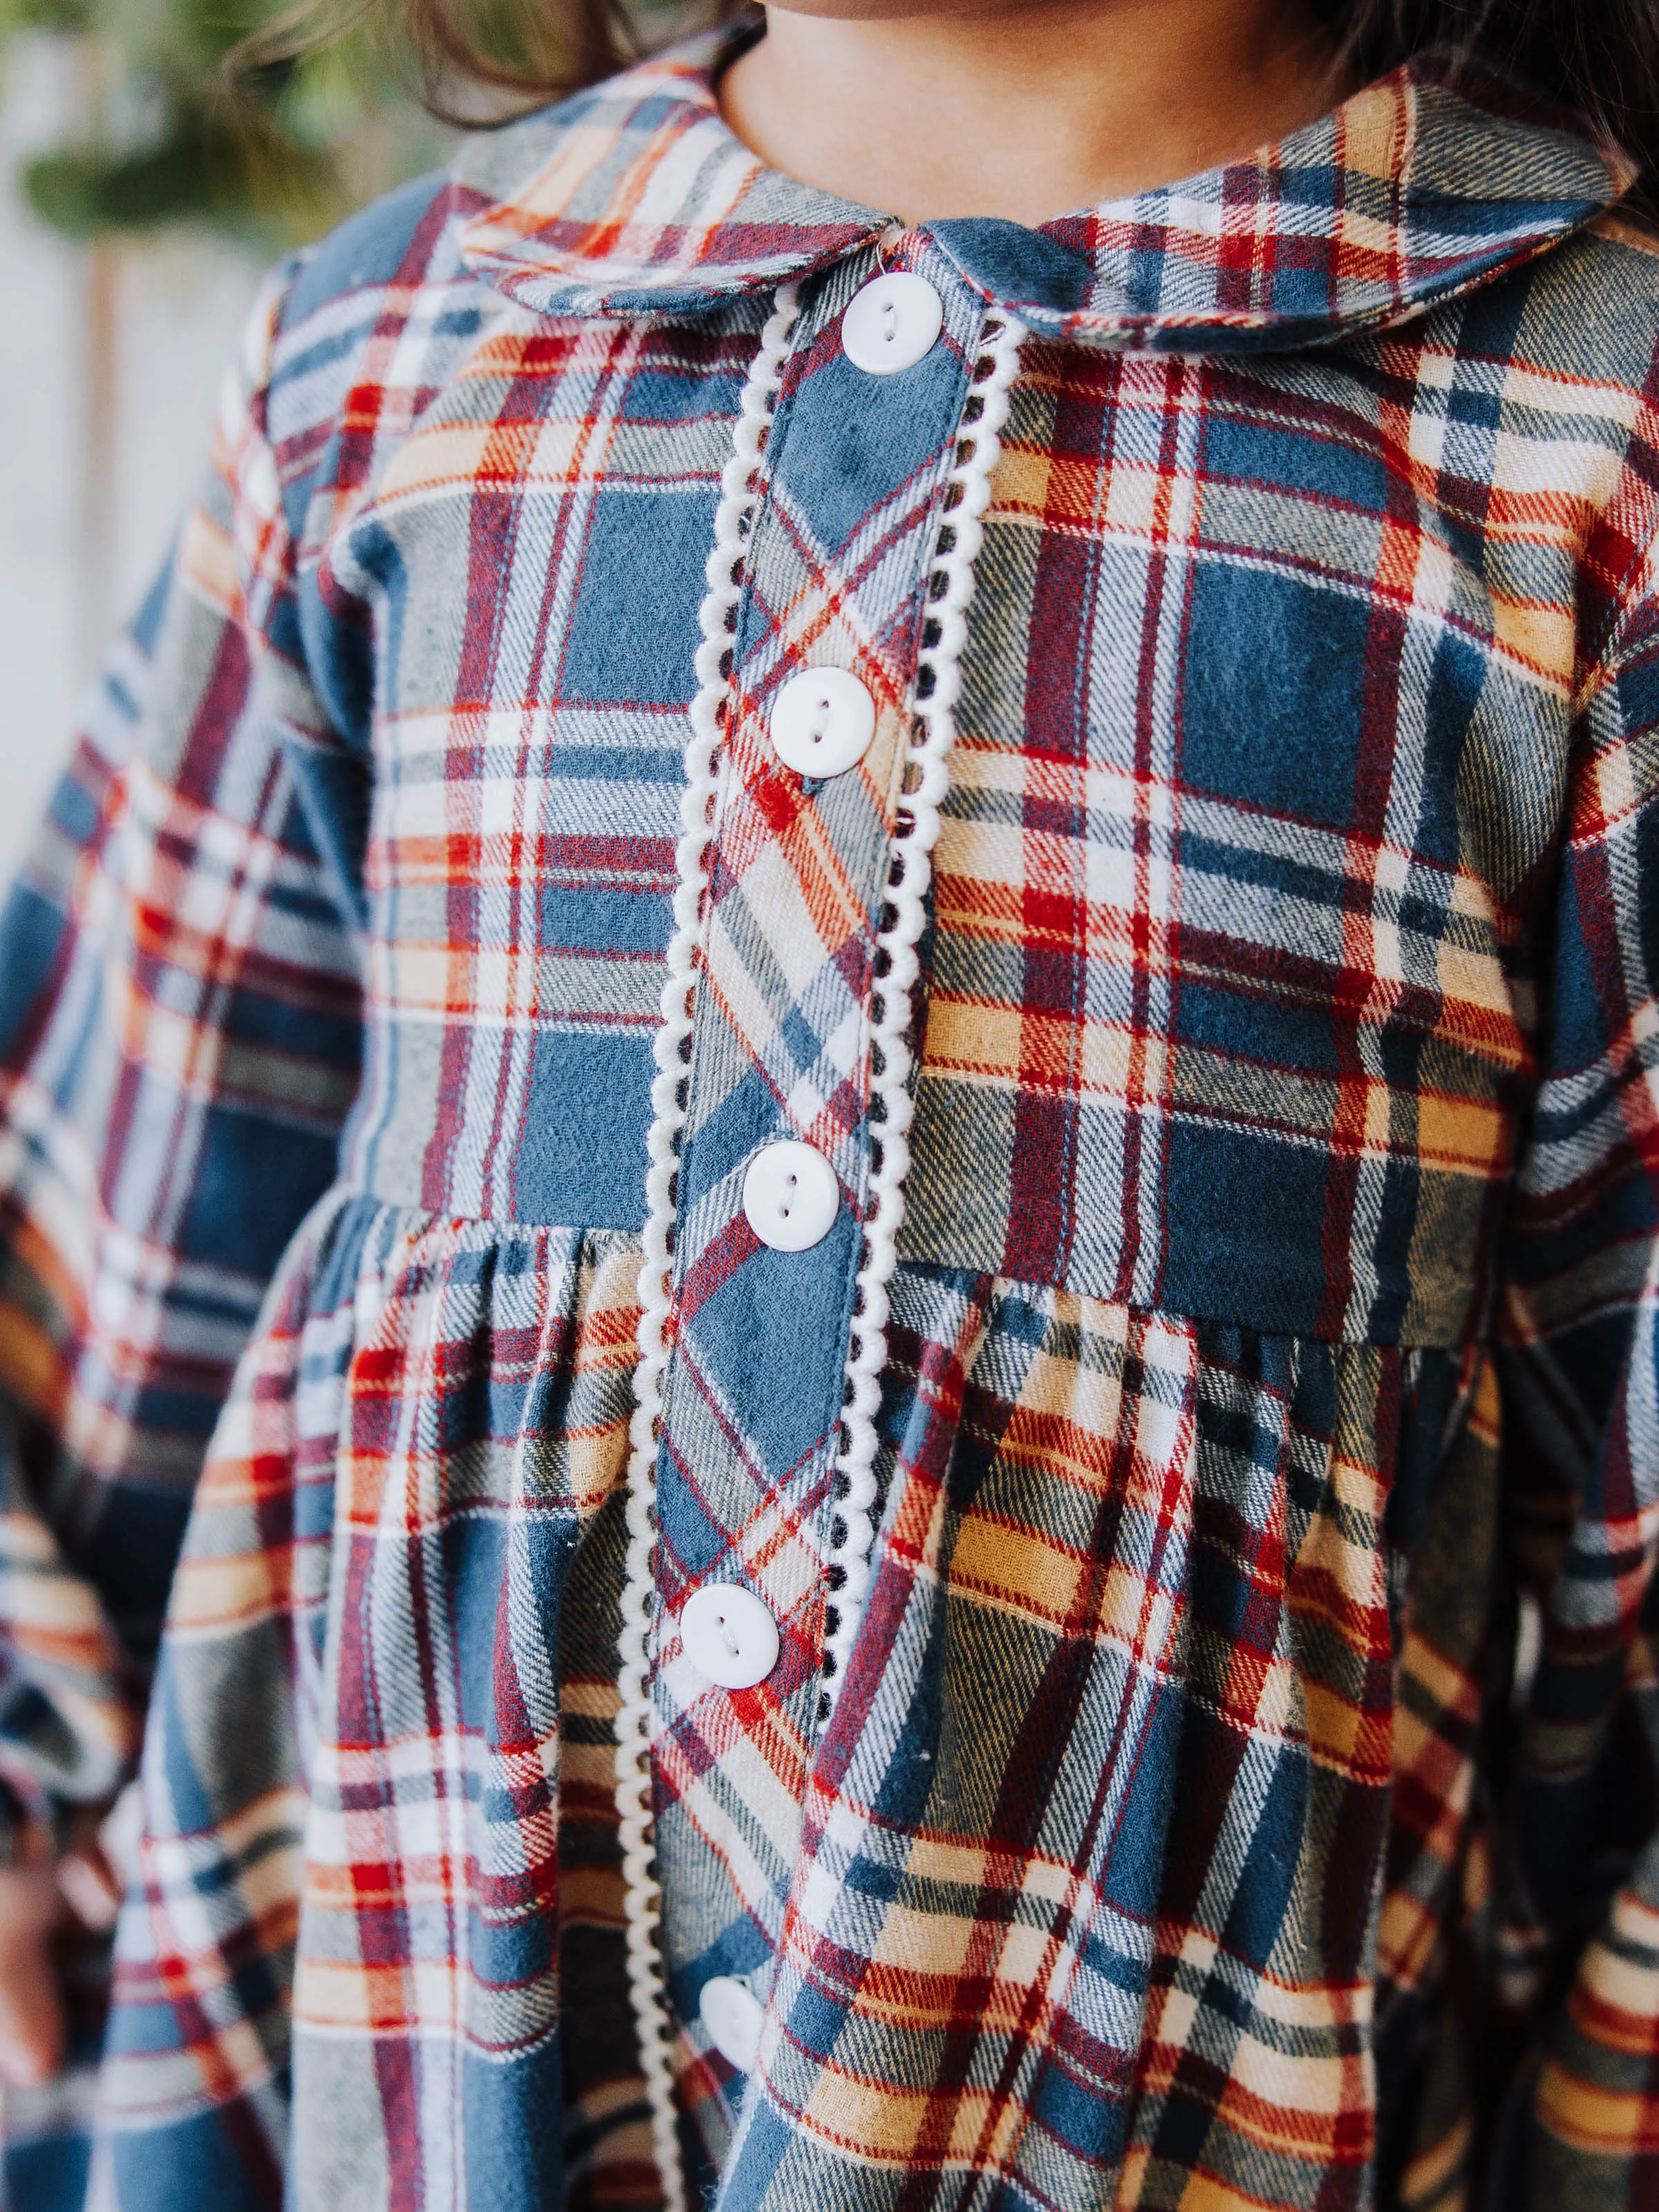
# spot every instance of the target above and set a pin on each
(75, 557)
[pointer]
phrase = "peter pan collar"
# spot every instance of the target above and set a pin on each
(636, 199)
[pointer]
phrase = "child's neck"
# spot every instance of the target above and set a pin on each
(1023, 109)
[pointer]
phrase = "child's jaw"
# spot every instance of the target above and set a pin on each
(1004, 108)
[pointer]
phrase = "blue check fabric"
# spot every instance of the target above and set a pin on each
(1243, 1787)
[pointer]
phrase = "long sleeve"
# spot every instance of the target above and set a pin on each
(179, 1031)
(1577, 1924)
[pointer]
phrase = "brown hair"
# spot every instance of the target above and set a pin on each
(516, 54)
(1599, 57)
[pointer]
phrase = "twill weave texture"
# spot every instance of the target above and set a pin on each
(1243, 1787)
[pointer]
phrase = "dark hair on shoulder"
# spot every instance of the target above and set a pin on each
(476, 63)
(1598, 58)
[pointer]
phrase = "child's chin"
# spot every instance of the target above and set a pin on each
(886, 11)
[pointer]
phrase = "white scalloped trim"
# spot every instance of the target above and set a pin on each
(950, 588)
(698, 810)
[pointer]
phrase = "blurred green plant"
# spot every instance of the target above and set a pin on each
(166, 135)
(273, 119)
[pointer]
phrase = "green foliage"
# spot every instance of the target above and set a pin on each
(167, 137)
(71, 17)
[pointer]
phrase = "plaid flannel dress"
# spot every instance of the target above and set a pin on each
(1204, 1480)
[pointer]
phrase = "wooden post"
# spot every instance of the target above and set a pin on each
(97, 505)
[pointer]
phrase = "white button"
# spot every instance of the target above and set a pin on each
(790, 1196)
(732, 2017)
(729, 1635)
(823, 721)
(892, 323)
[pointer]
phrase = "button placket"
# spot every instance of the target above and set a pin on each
(774, 1157)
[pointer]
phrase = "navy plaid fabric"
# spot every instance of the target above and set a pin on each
(1242, 1788)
